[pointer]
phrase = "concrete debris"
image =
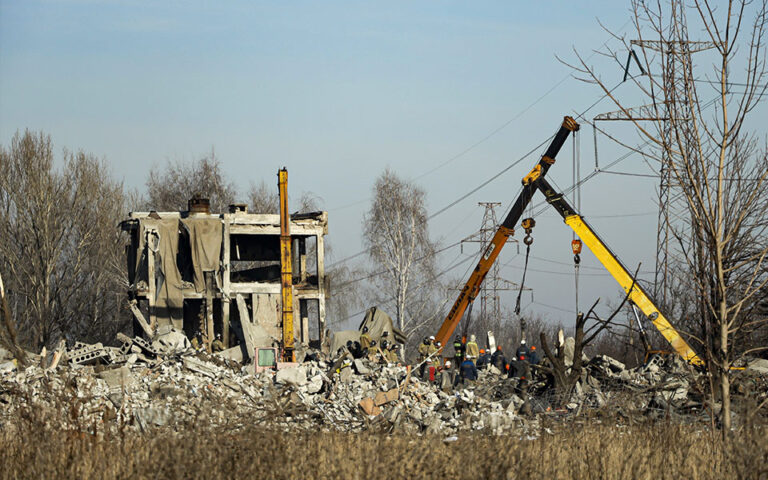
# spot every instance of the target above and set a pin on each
(760, 366)
(296, 376)
(360, 367)
(368, 406)
(169, 340)
(167, 384)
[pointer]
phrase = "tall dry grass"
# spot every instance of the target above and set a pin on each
(590, 452)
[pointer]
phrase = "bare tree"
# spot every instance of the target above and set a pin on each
(566, 372)
(59, 241)
(709, 158)
(264, 198)
(396, 235)
(170, 188)
(345, 293)
(8, 337)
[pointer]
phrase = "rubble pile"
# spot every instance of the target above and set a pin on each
(167, 384)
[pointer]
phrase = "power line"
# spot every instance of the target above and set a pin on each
(498, 174)
(381, 272)
(494, 177)
(416, 289)
(516, 116)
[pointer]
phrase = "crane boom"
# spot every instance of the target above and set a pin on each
(286, 269)
(611, 262)
(505, 230)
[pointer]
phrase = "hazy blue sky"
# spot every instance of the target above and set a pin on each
(337, 91)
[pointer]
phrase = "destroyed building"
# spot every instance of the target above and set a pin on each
(204, 272)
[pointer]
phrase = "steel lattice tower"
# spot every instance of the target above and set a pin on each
(490, 301)
(677, 83)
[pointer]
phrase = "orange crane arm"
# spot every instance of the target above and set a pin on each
(472, 287)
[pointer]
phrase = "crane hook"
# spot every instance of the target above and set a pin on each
(528, 224)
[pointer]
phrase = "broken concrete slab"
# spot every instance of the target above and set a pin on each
(199, 366)
(169, 341)
(87, 354)
(118, 377)
(368, 406)
(235, 354)
(382, 398)
(315, 384)
(296, 376)
(360, 367)
(759, 365)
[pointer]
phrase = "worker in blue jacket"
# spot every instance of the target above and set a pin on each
(468, 370)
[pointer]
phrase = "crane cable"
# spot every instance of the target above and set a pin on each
(575, 242)
(522, 282)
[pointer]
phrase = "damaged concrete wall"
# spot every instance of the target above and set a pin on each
(186, 269)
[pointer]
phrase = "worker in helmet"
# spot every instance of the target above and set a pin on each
(423, 352)
(384, 358)
(433, 358)
(365, 339)
(446, 377)
(498, 360)
(197, 341)
(484, 359)
(391, 352)
(514, 368)
(458, 352)
(468, 371)
(423, 347)
(217, 345)
(433, 347)
(374, 352)
(522, 351)
(473, 352)
(533, 356)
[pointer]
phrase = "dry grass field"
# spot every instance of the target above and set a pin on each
(656, 451)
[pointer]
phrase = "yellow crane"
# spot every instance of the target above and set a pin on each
(286, 269)
(535, 181)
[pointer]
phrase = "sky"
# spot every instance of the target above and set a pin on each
(446, 94)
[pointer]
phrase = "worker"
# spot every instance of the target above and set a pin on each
(484, 360)
(533, 356)
(473, 352)
(197, 340)
(446, 377)
(458, 352)
(373, 352)
(392, 356)
(423, 347)
(384, 357)
(522, 351)
(423, 353)
(513, 368)
(365, 339)
(498, 360)
(217, 345)
(468, 371)
(433, 359)
(350, 348)
(432, 348)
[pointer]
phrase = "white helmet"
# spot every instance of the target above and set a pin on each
(472, 337)
(432, 337)
(522, 342)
